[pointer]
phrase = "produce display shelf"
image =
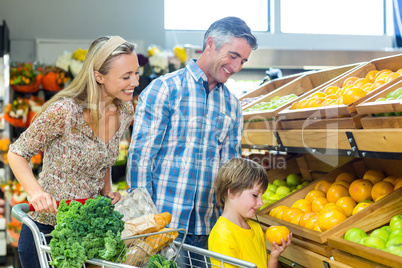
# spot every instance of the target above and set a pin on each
(374, 143)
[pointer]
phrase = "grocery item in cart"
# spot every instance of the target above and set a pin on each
(136, 204)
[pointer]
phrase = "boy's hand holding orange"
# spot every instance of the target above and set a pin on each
(276, 234)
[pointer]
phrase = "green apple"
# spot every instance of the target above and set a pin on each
(380, 233)
(299, 186)
(380, 99)
(396, 222)
(399, 98)
(272, 187)
(373, 242)
(355, 235)
(397, 250)
(266, 195)
(386, 227)
(283, 190)
(304, 183)
(274, 197)
(278, 182)
(275, 98)
(396, 241)
(396, 93)
(398, 113)
(293, 180)
(395, 233)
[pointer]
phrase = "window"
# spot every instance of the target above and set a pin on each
(342, 17)
(199, 14)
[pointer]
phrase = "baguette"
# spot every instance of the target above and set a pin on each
(162, 219)
(159, 241)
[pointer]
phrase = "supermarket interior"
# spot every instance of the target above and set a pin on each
(317, 103)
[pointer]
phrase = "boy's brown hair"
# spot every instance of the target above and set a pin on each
(237, 175)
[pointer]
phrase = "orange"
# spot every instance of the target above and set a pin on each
(339, 93)
(276, 234)
(294, 105)
(296, 219)
(335, 192)
(391, 179)
(318, 95)
(275, 210)
(331, 90)
(391, 77)
(381, 188)
(302, 104)
(318, 204)
(315, 102)
(323, 185)
(361, 205)
(330, 218)
(328, 102)
(339, 101)
(397, 180)
(346, 88)
(313, 194)
(398, 185)
(349, 81)
(367, 87)
(311, 222)
(331, 97)
(382, 77)
(380, 197)
(371, 75)
(304, 218)
(377, 84)
(347, 203)
(302, 204)
(353, 95)
(360, 190)
(383, 71)
(331, 206)
(374, 176)
(399, 71)
(361, 82)
(289, 213)
(344, 183)
(317, 228)
(345, 176)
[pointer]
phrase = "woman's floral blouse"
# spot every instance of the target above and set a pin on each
(75, 162)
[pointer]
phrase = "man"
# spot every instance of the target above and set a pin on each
(187, 124)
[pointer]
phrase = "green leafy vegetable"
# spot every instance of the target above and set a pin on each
(86, 231)
(157, 261)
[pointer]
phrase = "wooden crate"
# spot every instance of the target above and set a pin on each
(379, 217)
(370, 107)
(300, 86)
(357, 167)
(352, 122)
(393, 63)
(270, 86)
(308, 167)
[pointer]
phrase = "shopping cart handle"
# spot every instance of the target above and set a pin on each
(82, 201)
(20, 211)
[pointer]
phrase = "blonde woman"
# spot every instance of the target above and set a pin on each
(79, 130)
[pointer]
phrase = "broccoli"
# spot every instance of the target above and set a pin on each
(157, 261)
(83, 232)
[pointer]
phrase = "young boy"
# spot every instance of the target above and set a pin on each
(239, 186)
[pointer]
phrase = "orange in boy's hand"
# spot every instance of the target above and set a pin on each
(276, 233)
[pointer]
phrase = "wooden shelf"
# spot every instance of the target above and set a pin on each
(373, 143)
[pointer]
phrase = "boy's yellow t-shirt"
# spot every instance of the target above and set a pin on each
(232, 240)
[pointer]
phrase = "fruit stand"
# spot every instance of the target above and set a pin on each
(326, 141)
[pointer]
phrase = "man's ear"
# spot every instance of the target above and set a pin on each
(210, 43)
(98, 77)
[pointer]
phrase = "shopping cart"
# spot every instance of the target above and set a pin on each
(138, 249)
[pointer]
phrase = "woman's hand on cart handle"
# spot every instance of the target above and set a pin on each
(43, 202)
(82, 201)
(115, 196)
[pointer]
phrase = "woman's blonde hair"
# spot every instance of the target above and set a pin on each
(237, 175)
(84, 89)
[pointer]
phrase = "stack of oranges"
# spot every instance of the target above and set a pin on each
(330, 203)
(353, 88)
